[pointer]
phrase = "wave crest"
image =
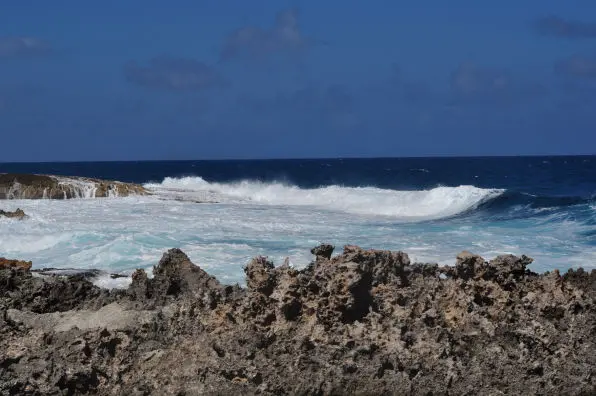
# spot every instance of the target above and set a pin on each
(415, 205)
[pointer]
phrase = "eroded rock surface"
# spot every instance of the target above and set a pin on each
(25, 186)
(18, 214)
(19, 264)
(362, 322)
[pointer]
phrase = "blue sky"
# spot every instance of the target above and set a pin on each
(134, 80)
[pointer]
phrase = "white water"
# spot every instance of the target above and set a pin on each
(79, 188)
(122, 234)
(76, 187)
(402, 205)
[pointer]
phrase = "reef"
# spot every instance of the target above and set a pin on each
(18, 214)
(361, 322)
(25, 186)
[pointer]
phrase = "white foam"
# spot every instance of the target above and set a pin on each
(122, 234)
(107, 282)
(17, 243)
(113, 193)
(78, 188)
(13, 190)
(405, 205)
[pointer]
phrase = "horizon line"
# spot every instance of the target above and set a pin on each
(305, 158)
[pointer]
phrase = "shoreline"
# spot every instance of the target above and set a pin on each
(37, 186)
(361, 322)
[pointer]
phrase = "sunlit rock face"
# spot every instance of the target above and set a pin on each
(22, 186)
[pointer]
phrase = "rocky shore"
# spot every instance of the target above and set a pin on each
(25, 186)
(18, 214)
(363, 322)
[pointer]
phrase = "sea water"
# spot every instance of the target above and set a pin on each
(223, 213)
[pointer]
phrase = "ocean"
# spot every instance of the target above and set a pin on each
(223, 213)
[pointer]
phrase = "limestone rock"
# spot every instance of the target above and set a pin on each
(25, 186)
(20, 264)
(325, 251)
(18, 214)
(363, 322)
(260, 276)
(176, 277)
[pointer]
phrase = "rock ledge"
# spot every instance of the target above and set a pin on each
(24, 186)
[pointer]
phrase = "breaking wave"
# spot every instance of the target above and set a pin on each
(418, 205)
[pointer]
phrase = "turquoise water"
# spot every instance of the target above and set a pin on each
(551, 216)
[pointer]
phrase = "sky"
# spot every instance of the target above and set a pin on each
(223, 79)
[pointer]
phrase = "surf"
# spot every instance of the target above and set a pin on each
(406, 205)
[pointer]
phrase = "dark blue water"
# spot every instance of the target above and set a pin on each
(557, 176)
(535, 181)
(545, 207)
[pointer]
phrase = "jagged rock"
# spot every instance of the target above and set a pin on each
(468, 265)
(325, 251)
(504, 270)
(581, 278)
(139, 288)
(25, 186)
(510, 266)
(260, 275)
(363, 322)
(19, 289)
(17, 214)
(175, 276)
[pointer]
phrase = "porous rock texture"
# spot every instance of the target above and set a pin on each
(364, 322)
(26, 186)
(18, 214)
(6, 263)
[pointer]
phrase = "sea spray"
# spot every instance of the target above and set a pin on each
(430, 204)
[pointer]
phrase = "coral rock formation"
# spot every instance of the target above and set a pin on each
(6, 263)
(362, 322)
(18, 214)
(24, 186)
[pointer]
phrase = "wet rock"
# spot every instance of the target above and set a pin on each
(18, 214)
(19, 289)
(25, 186)
(325, 251)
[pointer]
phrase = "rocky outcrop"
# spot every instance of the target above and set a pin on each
(325, 251)
(362, 322)
(24, 186)
(18, 214)
(21, 289)
(6, 264)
